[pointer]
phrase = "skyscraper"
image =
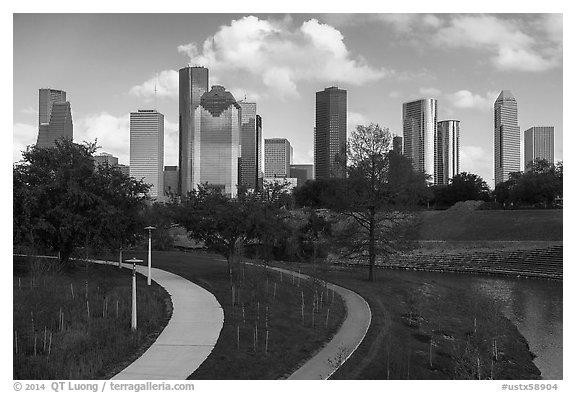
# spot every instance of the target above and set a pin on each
(193, 82)
(251, 145)
(217, 141)
(419, 119)
(54, 117)
(330, 133)
(147, 149)
(447, 151)
(539, 143)
(506, 137)
(302, 172)
(397, 144)
(277, 157)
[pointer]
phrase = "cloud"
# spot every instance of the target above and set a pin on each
(164, 85)
(430, 91)
(474, 159)
(355, 119)
(112, 133)
(29, 111)
(23, 136)
(465, 99)
(277, 56)
(170, 142)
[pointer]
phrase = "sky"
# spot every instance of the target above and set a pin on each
(111, 64)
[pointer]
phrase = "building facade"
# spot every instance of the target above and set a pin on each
(397, 144)
(277, 157)
(538, 143)
(506, 137)
(447, 161)
(170, 180)
(54, 117)
(193, 83)
(105, 158)
(147, 150)
(217, 141)
(302, 172)
(330, 133)
(419, 121)
(250, 146)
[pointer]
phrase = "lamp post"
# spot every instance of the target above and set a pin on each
(150, 228)
(134, 261)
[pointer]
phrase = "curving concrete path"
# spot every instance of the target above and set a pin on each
(353, 330)
(189, 336)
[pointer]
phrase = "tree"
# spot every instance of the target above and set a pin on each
(61, 201)
(377, 197)
(463, 186)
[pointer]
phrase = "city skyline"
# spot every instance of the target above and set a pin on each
(290, 58)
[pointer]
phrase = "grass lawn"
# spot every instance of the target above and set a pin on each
(262, 304)
(75, 324)
(423, 328)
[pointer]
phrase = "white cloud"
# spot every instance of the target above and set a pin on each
(276, 56)
(29, 111)
(465, 99)
(164, 85)
(474, 159)
(23, 136)
(355, 119)
(430, 91)
(112, 133)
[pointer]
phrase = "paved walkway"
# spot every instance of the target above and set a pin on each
(353, 330)
(189, 337)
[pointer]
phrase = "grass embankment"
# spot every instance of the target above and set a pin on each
(265, 303)
(76, 324)
(491, 225)
(423, 328)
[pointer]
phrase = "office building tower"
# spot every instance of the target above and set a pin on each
(302, 172)
(447, 151)
(193, 83)
(259, 153)
(105, 158)
(147, 150)
(506, 137)
(397, 144)
(277, 157)
(250, 146)
(54, 117)
(170, 180)
(330, 133)
(419, 121)
(538, 144)
(125, 169)
(217, 141)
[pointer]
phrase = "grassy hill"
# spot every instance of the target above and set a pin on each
(491, 225)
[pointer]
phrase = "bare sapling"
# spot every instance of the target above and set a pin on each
(274, 296)
(72, 290)
(88, 309)
(266, 341)
(44, 345)
(327, 315)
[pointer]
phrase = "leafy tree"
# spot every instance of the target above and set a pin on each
(462, 187)
(377, 197)
(61, 201)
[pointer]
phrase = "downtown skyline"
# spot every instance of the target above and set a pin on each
(382, 60)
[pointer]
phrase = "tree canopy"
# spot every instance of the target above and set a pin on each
(62, 201)
(463, 186)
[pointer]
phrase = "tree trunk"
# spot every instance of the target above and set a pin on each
(372, 246)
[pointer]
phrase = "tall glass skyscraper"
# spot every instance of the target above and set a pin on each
(217, 141)
(330, 133)
(420, 120)
(447, 161)
(278, 155)
(538, 143)
(54, 117)
(193, 82)
(506, 137)
(147, 149)
(250, 146)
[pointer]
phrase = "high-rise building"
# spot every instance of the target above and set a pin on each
(277, 157)
(330, 133)
(419, 119)
(259, 152)
(539, 143)
(397, 144)
(147, 149)
(250, 145)
(54, 117)
(506, 137)
(170, 180)
(193, 83)
(447, 151)
(217, 141)
(302, 172)
(105, 158)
